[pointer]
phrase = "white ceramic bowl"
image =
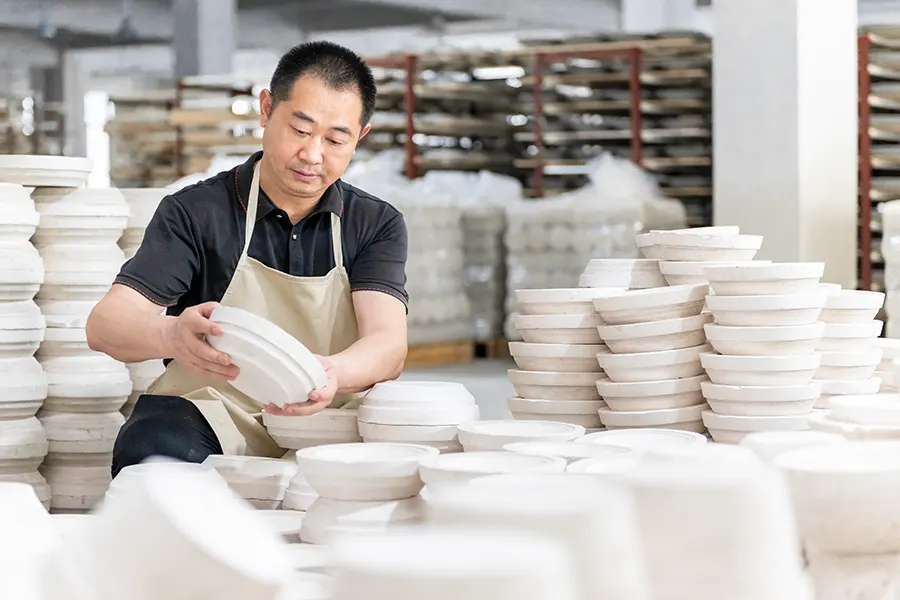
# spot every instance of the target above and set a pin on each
(331, 426)
(559, 329)
(760, 279)
(849, 365)
(570, 451)
(565, 301)
(493, 435)
(575, 358)
(652, 395)
(643, 306)
(419, 393)
(427, 414)
(687, 419)
(642, 440)
(462, 467)
(705, 246)
(646, 246)
(443, 437)
(766, 311)
(691, 272)
(760, 370)
(327, 518)
(872, 409)
(655, 336)
(605, 466)
(628, 273)
(850, 337)
(832, 388)
(767, 445)
(653, 366)
(576, 412)
(852, 306)
(765, 341)
(553, 385)
(730, 429)
(364, 472)
(765, 400)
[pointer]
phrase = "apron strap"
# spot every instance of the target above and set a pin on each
(336, 242)
(252, 203)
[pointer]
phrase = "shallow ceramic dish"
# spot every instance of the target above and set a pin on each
(656, 336)
(767, 445)
(443, 437)
(872, 409)
(687, 419)
(364, 472)
(849, 365)
(575, 358)
(653, 366)
(93, 383)
(330, 426)
(327, 518)
(852, 306)
(646, 246)
(45, 171)
(765, 400)
(23, 388)
(559, 329)
(254, 477)
(554, 385)
(605, 466)
(652, 395)
(570, 451)
(760, 370)
(576, 412)
(705, 246)
(835, 389)
(761, 279)
(788, 340)
(419, 393)
(493, 435)
(730, 429)
(643, 306)
(455, 468)
(691, 272)
(570, 301)
(424, 415)
(642, 440)
(627, 273)
(766, 311)
(850, 337)
(275, 368)
(81, 433)
(821, 420)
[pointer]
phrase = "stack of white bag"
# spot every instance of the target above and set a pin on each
(417, 412)
(77, 238)
(23, 385)
(361, 488)
(767, 333)
(142, 205)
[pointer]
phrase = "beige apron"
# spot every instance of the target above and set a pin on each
(318, 311)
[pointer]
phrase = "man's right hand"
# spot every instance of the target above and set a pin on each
(184, 337)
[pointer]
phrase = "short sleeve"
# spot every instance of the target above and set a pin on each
(380, 265)
(168, 259)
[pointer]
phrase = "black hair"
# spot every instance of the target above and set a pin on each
(339, 67)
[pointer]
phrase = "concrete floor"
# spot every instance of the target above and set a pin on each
(484, 378)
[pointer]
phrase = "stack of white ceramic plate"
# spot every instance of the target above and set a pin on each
(655, 337)
(260, 481)
(299, 495)
(638, 444)
(890, 351)
(865, 417)
(489, 436)
(453, 469)
(557, 359)
(417, 412)
(23, 385)
(142, 205)
(850, 353)
(361, 487)
(699, 244)
(766, 333)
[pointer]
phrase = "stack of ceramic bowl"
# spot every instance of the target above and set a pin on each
(23, 385)
(766, 333)
(142, 205)
(655, 337)
(299, 496)
(850, 355)
(260, 481)
(361, 487)
(890, 351)
(491, 436)
(557, 361)
(454, 469)
(417, 412)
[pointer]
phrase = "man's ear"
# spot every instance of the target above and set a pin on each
(365, 131)
(266, 104)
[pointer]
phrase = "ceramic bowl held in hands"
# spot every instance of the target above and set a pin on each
(275, 368)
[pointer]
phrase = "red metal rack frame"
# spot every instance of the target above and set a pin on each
(408, 63)
(632, 55)
(864, 43)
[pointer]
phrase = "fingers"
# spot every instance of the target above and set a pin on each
(199, 324)
(305, 409)
(200, 349)
(206, 309)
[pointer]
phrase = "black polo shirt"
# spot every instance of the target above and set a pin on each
(193, 243)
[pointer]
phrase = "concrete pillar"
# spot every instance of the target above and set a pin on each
(648, 16)
(204, 36)
(785, 128)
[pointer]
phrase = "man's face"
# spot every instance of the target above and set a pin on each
(310, 137)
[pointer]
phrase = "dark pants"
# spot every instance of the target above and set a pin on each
(164, 426)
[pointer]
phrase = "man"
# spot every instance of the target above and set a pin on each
(280, 236)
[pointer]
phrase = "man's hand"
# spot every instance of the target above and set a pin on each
(318, 399)
(184, 340)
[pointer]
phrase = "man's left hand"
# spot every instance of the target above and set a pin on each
(318, 399)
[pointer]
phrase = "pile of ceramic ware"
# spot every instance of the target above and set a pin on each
(417, 412)
(260, 481)
(77, 238)
(766, 334)
(485, 263)
(142, 204)
(361, 487)
(890, 351)
(452, 469)
(23, 385)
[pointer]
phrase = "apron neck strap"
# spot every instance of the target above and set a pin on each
(253, 202)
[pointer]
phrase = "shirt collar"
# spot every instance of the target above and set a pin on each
(331, 201)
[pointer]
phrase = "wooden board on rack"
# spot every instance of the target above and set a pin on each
(432, 355)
